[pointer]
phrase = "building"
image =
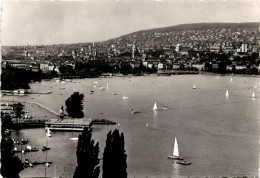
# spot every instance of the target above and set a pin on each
(161, 65)
(198, 66)
(178, 48)
(244, 48)
(68, 124)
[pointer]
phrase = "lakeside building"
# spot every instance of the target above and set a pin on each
(68, 124)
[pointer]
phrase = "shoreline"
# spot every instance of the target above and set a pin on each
(11, 92)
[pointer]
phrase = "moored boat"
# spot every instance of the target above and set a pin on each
(45, 148)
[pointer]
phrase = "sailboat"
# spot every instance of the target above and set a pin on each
(194, 87)
(48, 132)
(74, 138)
(175, 151)
(155, 107)
(125, 97)
(231, 79)
(227, 95)
(253, 95)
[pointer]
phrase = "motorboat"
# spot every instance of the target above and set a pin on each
(74, 138)
(135, 112)
(165, 107)
(183, 162)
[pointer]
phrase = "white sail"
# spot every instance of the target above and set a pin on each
(175, 149)
(231, 79)
(253, 95)
(155, 107)
(48, 132)
(194, 87)
(227, 95)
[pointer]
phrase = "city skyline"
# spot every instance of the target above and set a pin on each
(65, 22)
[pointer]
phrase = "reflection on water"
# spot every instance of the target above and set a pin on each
(214, 133)
(175, 169)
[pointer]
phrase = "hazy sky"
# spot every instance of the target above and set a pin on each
(56, 22)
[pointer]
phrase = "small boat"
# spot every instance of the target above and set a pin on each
(113, 93)
(26, 163)
(165, 107)
(125, 97)
(227, 95)
(194, 87)
(74, 139)
(30, 149)
(91, 92)
(45, 148)
(107, 85)
(135, 112)
(48, 134)
(253, 95)
(22, 142)
(183, 162)
(175, 154)
(155, 107)
(101, 88)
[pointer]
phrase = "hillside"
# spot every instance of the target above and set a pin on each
(198, 26)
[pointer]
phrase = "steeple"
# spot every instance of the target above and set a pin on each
(133, 51)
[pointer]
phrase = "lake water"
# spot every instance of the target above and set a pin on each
(219, 135)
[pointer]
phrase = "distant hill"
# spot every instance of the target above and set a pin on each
(198, 26)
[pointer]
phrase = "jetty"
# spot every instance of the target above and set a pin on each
(38, 104)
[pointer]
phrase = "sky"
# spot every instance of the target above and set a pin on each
(65, 22)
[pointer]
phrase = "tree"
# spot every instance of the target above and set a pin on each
(6, 123)
(74, 105)
(87, 156)
(11, 164)
(18, 110)
(114, 157)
